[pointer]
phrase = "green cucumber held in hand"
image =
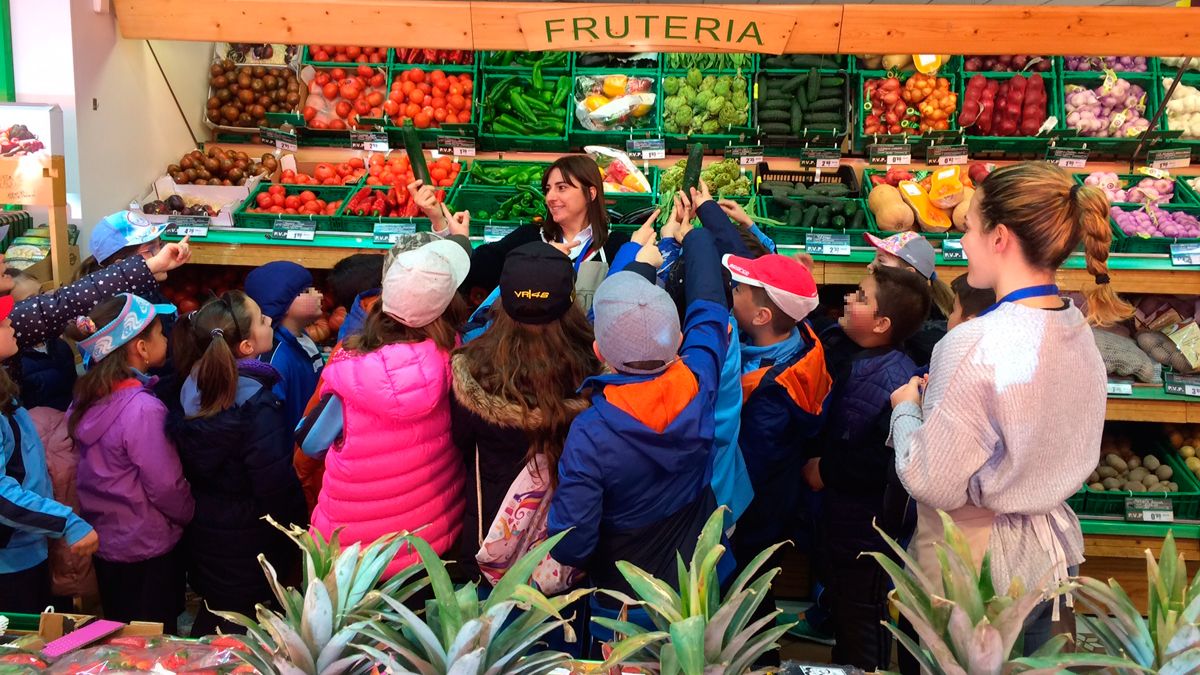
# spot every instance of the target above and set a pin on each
(416, 155)
(695, 162)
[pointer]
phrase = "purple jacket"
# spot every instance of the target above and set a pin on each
(131, 486)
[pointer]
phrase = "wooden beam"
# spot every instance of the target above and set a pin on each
(1008, 29)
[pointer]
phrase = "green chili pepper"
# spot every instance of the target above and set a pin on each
(537, 75)
(521, 107)
(561, 90)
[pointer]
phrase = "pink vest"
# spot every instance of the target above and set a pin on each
(397, 468)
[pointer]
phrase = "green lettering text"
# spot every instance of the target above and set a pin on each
(752, 30)
(608, 27)
(550, 31)
(672, 26)
(710, 28)
(646, 23)
(580, 27)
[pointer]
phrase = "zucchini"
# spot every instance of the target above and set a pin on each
(830, 189)
(776, 128)
(838, 222)
(810, 217)
(808, 61)
(826, 104)
(832, 81)
(416, 156)
(822, 117)
(776, 104)
(795, 83)
(795, 216)
(784, 201)
(797, 118)
(691, 174)
(824, 216)
(774, 116)
(814, 85)
(859, 220)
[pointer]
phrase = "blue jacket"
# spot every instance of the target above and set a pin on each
(47, 375)
(299, 374)
(356, 316)
(28, 512)
(634, 474)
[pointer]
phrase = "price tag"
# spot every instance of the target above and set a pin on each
(1185, 255)
(1181, 385)
(821, 158)
(891, 154)
(1169, 158)
(456, 146)
(283, 140)
(646, 148)
(390, 233)
(827, 244)
(493, 233)
(369, 140)
(819, 670)
(195, 227)
(294, 230)
(747, 155)
(1120, 389)
(1149, 510)
(952, 250)
(1067, 158)
(946, 155)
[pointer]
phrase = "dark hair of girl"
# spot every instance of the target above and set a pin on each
(206, 341)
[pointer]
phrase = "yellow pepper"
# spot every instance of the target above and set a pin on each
(614, 85)
(595, 101)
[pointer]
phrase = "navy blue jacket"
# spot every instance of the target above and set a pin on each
(299, 374)
(47, 375)
(634, 474)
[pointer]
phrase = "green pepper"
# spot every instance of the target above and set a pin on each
(561, 90)
(507, 124)
(506, 58)
(536, 105)
(521, 106)
(537, 75)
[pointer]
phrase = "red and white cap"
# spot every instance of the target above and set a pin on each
(786, 280)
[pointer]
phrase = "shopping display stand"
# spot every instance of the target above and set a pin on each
(1114, 548)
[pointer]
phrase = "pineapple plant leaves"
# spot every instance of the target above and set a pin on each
(699, 631)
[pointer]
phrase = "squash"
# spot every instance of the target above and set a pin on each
(946, 187)
(897, 61)
(930, 218)
(889, 209)
(959, 217)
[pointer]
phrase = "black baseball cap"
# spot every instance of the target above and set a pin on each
(537, 284)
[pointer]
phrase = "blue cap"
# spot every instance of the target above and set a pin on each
(121, 229)
(276, 285)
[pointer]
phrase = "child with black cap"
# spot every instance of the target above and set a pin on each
(515, 396)
(633, 481)
(284, 291)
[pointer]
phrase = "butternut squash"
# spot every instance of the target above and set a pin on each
(959, 217)
(889, 209)
(930, 218)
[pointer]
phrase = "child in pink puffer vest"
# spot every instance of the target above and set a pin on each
(394, 466)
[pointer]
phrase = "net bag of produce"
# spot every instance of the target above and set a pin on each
(620, 173)
(1123, 357)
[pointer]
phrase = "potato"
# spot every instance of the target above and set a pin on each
(1116, 462)
(1155, 486)
(1193, 463)
(1133, 486)
(1106, 472)
(1164, 472)
(889, 209)
(1098, 487)
(1149, 480)
(1112, 483)
(1134, 462)
(1094, 477)
(1187, 451)
(1138, 474)
(1151, 463)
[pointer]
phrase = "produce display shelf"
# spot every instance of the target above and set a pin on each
(252, 248)
(1018, 146)
(1112, 526)
(1118, 147)
(1138, 244)
(1183, 195)
(793, 146)
(862, 140)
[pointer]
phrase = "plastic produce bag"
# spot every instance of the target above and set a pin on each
(620, 173)
(158, 655)
(610, 102)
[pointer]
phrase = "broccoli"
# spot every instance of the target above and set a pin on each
(709, 82)
(687, 93)
(695, 77)
(715, 104)
(670, 85)
(710, 127)
(683, 116)
(702, 99)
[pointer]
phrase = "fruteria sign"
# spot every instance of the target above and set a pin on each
(656, 28)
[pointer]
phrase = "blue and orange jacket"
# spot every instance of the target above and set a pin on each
(634, 474)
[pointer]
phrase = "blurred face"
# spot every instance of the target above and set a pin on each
(859, 319)
(153, 349)
(980, 247)
(566, 201)
(306, 308)
(8, 339)
(25, 287)
(261, 335)
(150, 249)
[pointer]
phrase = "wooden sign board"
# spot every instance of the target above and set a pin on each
(33, 180)
(652, 28)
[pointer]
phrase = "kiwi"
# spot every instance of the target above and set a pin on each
(1134, 462)
(1116, 462)
(1164, 472)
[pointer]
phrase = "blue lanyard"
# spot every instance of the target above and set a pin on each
(582, 255)
(1024, 294)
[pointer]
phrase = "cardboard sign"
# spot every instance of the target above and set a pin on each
(654, 28)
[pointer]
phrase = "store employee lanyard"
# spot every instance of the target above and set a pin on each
(1043, 291)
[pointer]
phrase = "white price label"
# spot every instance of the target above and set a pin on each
(1120, 389)
(899, 159)
(750, 160)
(1158, 517)
(1191, 390)
(464, 152)
(829, 163)
(197, 231)
(1072, 163)
(658, 153)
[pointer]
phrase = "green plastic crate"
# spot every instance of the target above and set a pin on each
(394, 59)
(934, 238)
(481, 203)
(1186, 502)
(845, 174)
(1152, 66)
(1184, 195)
(346, 222)
(470, 181)
(784, 235)
(781, 64)
(1119, 147)
(650, 125)
(793, 146)
(1124, 243)
(749, 66)
(861, 140)
(265, 221)
(654, 72)
(490, 140)
(1019, 146)
(1190, 79)
(626, 202)
(490, 62)
(306, 59)
(430, 135)
(953, 66)
(711, 142)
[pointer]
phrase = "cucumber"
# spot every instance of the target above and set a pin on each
(850, 209)
(691, 174)
(838, 222)
(830, 189)
(814, 85)
(802, 98)
(776, 62)
(824, 216)
(795, 216)
(774, 116)
(810, 217)
(776, 185)
(416, 156)
(784, 201)
(797, 118)
(795, 83)
(821, 200)
(776, 128)
(859, 220)
(808, 61)
(832, 81)
(826, 104)
(830, 92)
(784, 104)
(823, 117)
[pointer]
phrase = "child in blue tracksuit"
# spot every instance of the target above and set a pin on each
(284, 291)
(633, 480)
(28, 512)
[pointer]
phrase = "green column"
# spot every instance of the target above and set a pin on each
(8, 89)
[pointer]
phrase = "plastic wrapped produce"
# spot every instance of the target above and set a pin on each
(1115, 109)
(1152, 221)
(1121, 64)
(1148, 190)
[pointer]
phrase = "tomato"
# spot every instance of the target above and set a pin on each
(343, 109)
(263, 200)
(427, 102)
(339, 125)
(349, 91)
(373, 180)
(451, 118)
(361, 106)
(318, 124)
(438, 74)
(320, 56)
(421, 120)
(378, 80)
(322, 79)
(425, 87)
(278, 199)
(437, 102)
(276, 190)
(439, 114)
(291, 202)
(392, 108)
(456, 101)
(416, 75)
(323, 171)
(455, 90)
(438, 173)
(467, 86)
(338, 74)
(364, 71)
(330, 91)
(375, 98)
